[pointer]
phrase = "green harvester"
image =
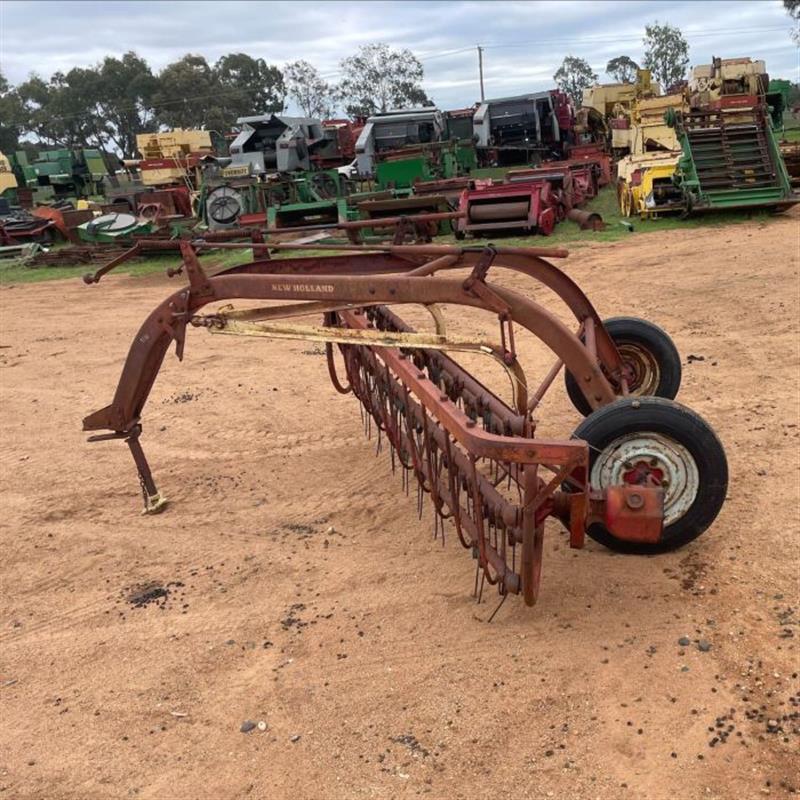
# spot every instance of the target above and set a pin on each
(64, 173)
(731, 157)
(314, 198)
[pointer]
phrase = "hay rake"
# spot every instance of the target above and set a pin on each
(640, 474)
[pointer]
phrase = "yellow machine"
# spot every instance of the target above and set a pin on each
(648, 148)
(617, 102)
(173, 143)
(644, 184)
(727, 76)
(645, 177)
(648, 130)
(7, 178)
(169, 157)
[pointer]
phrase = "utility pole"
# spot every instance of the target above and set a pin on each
(480, 69)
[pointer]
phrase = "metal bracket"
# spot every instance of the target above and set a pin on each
(154, 501)
(198, 280)
(481, 269)
(94, 277)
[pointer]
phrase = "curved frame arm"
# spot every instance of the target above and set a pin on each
(169, 319)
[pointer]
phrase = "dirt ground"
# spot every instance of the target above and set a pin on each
(291, 582)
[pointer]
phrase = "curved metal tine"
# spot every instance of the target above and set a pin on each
(438, 318)
(503, 597)
(433, 480)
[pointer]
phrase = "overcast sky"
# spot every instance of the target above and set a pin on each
(524, 41)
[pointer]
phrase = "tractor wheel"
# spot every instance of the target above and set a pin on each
(625, 201)
(652, 441)
(620, 190)
(651, 361)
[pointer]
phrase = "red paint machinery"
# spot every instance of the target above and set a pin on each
(530, 206)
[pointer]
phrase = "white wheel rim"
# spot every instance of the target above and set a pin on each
(654, 453)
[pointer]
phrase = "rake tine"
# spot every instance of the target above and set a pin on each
(499, 606)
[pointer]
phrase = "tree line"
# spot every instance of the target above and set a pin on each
(108, 104)
(666, 55)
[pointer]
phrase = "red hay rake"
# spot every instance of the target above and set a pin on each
(640, 474)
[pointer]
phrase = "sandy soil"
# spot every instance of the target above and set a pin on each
(360, 647)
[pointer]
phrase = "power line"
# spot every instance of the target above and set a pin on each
(603, 40)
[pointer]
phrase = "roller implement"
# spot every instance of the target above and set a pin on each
(640, 474)
(530, 206)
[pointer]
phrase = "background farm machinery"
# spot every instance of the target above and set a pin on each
(272, 142)
(171, 158)
(535, 199)
(339, 143)
(52, 175)
(716, 146)
(276, 199)
(524, 128)
(710, 146)
(407, 166)
(730, 154)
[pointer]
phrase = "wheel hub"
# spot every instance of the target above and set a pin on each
(650, 459)
(644, 473)
(640, 368)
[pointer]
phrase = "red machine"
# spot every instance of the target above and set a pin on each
(531, 205)
(640, 474)
(578, 178)
(164, 204)
(561, 180)
(65, 220)
(339, 147)
(564, 112)
(594, 153)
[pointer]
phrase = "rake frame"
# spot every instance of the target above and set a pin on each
(488, 478)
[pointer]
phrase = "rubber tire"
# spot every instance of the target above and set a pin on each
(659, 415)
(649, 336)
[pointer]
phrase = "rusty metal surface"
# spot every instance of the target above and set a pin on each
(634, 513)
(586, 220)
(477, 457)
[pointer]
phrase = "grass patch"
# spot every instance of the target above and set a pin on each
(13, 271)
(566, 233)
(605, 204)
(790, 135)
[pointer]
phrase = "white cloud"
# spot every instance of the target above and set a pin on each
(524, 41)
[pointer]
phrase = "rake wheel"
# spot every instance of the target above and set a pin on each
(651, 362)
(652, 441)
